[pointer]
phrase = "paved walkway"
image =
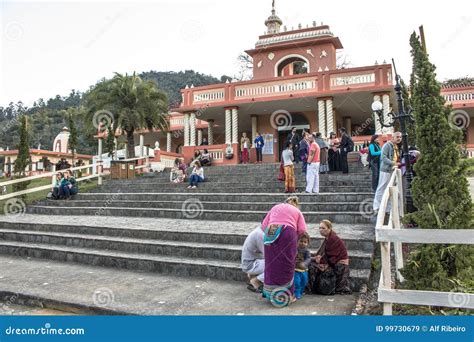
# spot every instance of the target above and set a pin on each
(149, 293)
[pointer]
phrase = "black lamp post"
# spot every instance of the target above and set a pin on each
(404, 119)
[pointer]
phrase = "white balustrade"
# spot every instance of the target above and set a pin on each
(209, 96)
(217, 155)
(337, 81)
(461, 96)
(274, 88)
(177, 122)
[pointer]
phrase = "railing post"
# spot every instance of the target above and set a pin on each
(53, 177)
(99, 162)
(397, 246)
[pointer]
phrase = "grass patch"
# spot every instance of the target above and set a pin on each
(84, 186)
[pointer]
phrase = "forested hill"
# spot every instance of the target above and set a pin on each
(46, 119)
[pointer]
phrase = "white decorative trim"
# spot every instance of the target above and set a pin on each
(294, 36)
(210, 133)
(199, 142)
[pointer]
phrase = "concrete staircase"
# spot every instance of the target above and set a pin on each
(151, 225)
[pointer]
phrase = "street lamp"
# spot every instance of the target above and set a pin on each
(404, 118)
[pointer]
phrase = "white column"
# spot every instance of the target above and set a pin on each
(186, 130)
(199, 137)
(235, 126)
(254, 128)
(99, 161)
(168, 142)
(386, 110)
(378, 126)
(142, 142)
(322, 117)
(330, 118)
(115, 155)
(228, 126)
(210, 132)
(192, 129)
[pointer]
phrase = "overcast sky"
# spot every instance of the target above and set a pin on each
(49, 48)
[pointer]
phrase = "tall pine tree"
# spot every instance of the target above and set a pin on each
(23, 159)
(72, 141)
(440, 189)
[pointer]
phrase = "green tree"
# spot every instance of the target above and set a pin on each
(109, 143)
(23, 159)
(135, 104)
(72, 142)
(440, 189)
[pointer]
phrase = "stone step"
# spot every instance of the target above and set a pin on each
(194, 211)
(134, 292)
(276, 197)
(222, 252)
(356, 237)
(248, 205)
(178, 266)
(223, 188)
(235, 181)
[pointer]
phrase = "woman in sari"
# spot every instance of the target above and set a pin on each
(333, 152)
(323, 154)
(282, 226)
(331, 257)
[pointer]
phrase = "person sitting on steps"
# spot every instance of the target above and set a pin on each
(205, 158)
(197, 176)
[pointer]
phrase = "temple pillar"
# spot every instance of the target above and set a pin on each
(322, 117)
(228, 126)
(235, 126)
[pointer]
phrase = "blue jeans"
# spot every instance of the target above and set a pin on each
(301, 280)
(64, 191)
(195, 179)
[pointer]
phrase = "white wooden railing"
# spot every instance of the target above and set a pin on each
(394, 233)
(99, 174)
(275, 88)
(177, 122)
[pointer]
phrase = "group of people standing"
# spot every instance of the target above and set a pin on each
(279, 265)
(318, 155)
(245, 145)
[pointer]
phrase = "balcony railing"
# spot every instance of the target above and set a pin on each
(458, 96)
(275, 88)
(377, 77)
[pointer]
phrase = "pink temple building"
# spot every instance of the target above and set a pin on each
(296, 83)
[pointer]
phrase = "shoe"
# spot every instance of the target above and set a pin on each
(189, 187)
(194, 187)
(255, 283)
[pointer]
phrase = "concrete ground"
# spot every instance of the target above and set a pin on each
(149, 293)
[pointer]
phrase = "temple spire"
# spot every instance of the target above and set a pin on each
(273, 23)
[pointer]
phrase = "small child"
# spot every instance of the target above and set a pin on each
(303, 259)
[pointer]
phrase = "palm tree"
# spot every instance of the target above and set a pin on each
(135, 104)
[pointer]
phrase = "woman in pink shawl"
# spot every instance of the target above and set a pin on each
(282, 226)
